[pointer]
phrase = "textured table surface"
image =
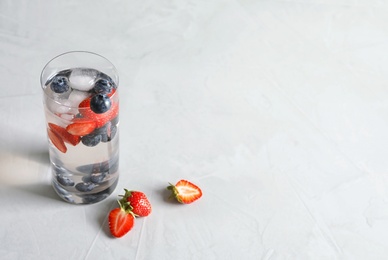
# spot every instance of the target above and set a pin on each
(276, 109)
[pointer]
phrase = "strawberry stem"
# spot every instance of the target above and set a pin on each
(124, 204)
(174, 192)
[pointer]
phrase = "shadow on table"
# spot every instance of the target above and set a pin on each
(43, 190)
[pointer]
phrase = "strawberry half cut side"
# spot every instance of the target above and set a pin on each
(185, 192)
(120, 222)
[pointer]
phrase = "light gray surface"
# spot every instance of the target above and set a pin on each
(276, 109)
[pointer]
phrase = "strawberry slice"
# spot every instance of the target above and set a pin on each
(185, 192)
(100, 119)
(81, 128)
(66, 136)
(120, 222)
(56, 140)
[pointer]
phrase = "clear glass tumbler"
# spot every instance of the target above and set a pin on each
(81, 103)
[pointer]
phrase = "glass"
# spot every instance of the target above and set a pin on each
(81, 103)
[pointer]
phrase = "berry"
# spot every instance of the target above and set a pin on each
(100, 119)
(185, 192)
(97, 177)
(81, 127)
(65, 181)
(110, 166)
(103, 86)
(85, 186)
(120, 222)
(56, 140)
(137, 202)
(93, 198)
(109, 134)
(91, 140)
(107, 78)
(66, 137)
(100, 103)
(59, 84)
(86, 178)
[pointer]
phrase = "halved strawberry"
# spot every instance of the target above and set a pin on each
(66, 136)
(56, 140)
(81, 127)
(137, 202)
(120, 222)
(185, 192)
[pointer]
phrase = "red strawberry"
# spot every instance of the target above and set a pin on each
(185, 192)
(100, 119)
(137, 202)
(81, 127)
(56, 140)
(120, 222)
(66, 137)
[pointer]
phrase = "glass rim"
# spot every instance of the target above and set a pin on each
(74, 52)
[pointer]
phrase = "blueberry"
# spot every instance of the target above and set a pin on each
(86, 178)
(114, 167)
(103, 86)
(93, 198)
(100, 103)
(91, 140)
(107, 78)
(101, 130)
(85, 186)
(65, 181)
(97, 177)
(59, 84)
(89, 168)
(109, 134)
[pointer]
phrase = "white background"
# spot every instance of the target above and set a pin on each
(276, 109)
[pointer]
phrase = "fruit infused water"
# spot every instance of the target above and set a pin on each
(82, 114)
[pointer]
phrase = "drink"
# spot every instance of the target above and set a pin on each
(81, 104)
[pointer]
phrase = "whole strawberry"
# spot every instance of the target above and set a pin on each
(137, 202)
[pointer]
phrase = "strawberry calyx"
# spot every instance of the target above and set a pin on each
(174, 192)
(124, 207)
(123, 202)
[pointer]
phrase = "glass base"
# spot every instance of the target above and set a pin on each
(82, 197)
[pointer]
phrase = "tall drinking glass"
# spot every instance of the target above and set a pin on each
(81, 103)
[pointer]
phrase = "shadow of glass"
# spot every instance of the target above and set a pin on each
(40, 191)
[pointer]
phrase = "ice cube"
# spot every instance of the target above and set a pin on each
(59, 106)
(82, 79)
(75, 98)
